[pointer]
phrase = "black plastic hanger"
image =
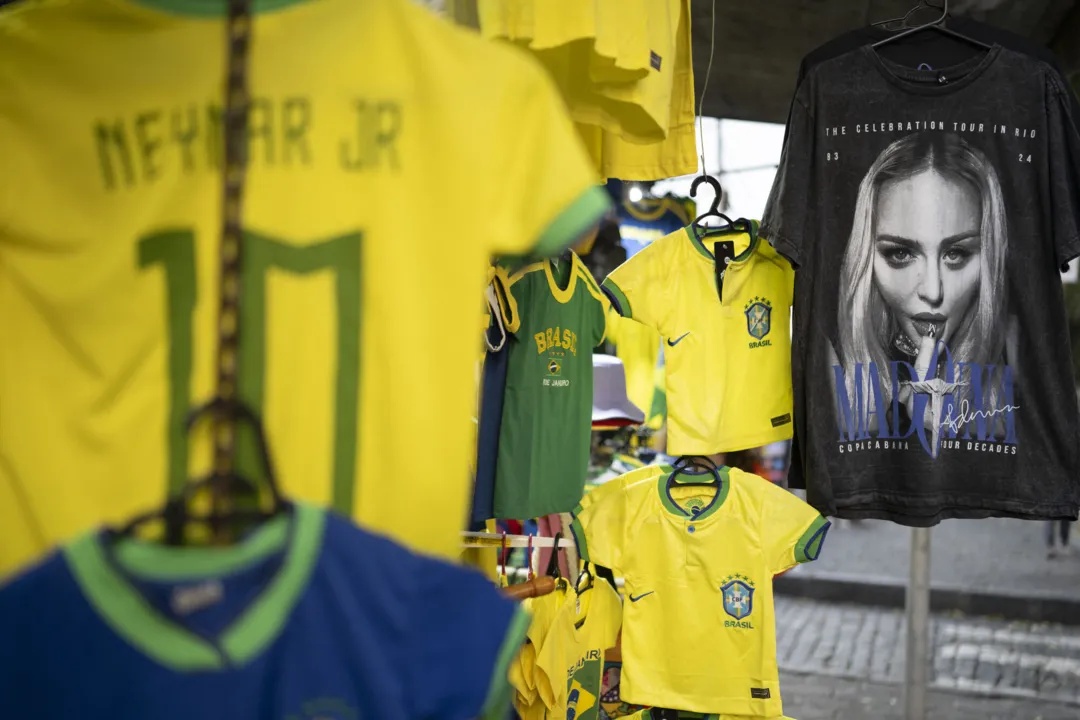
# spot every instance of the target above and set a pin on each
(938, 25)
(245, 492)
(740, 225)
(700, 465)
(553, 570)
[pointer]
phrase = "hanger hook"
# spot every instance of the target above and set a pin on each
(718, 190)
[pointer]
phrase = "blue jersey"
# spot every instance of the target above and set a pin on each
(649, 220)
(310, 617)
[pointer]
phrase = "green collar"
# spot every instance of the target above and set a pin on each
(697, 236)
(128, 613)
(672, 507)
(212, 8)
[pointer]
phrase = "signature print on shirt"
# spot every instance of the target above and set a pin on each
(925, 339)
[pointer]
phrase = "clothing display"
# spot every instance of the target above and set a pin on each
(624, 69)
(115, 333)
(698, 560)
(309, 616)
(543, 450)
(338, 342)
(733, 340)
(567, 669)
(930, 351)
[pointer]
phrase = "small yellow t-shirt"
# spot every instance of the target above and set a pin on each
(727, 362)
(698, 630)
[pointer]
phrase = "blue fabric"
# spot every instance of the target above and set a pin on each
(666, 224)
(377, 633)
(487, 442)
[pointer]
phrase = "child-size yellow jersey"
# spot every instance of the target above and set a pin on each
(376, 131)
(698, 631)
(727, 361)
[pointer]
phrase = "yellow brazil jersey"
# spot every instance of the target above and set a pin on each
(698, 631)
(376, 130)
(570, 664)
(727, 362)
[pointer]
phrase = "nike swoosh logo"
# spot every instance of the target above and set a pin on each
(677, 340)
(635, 599)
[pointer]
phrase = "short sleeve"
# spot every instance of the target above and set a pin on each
(465, 635)
(636, 288)
(1064, 159)
(598, 528)
(792, 532)
(785, 221)
(548, 196)
(599, 309)
(520, 288)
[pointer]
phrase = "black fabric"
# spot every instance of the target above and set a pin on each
(952, 271)
(937, 50)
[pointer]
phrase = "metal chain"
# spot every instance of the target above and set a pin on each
(235, 125)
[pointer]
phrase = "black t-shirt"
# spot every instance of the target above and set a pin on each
(927, 212)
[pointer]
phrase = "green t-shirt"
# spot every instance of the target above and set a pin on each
(546, 430)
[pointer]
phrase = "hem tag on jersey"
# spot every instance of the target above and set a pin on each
(655, 60)
(189, 598)
(760, 693)
(781, 420)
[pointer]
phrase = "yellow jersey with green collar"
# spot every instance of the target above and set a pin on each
(376, 129)
(727, 360)
(698, 631)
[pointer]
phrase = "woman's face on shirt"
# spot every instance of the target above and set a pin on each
(926, 252)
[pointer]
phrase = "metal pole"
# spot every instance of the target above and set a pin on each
(917, 670)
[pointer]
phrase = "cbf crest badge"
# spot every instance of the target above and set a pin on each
(758, 317)
(738, 592)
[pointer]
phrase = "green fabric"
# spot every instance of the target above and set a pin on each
(576, 220)
(809, 545)
(620, 297)
(128, 613)
(674, 509)
(545, 435)
(501, 691)
(213, 8)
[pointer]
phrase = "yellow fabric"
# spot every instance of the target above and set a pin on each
(108, 186)
(726, 388)
(621, 47)
(623, 67)
(623, 155)
(523, 672)
(570, 663)
(681, 647)
(638, 346)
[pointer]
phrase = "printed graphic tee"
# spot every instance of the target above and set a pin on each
(698, 630)
(544, 440)
(927, 213)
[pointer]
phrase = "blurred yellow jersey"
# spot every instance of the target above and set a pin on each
(376, 130)
(698, 563)
(727, 362)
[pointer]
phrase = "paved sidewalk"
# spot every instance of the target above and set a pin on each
(986, 658)
(809, 697)
(994, 566)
